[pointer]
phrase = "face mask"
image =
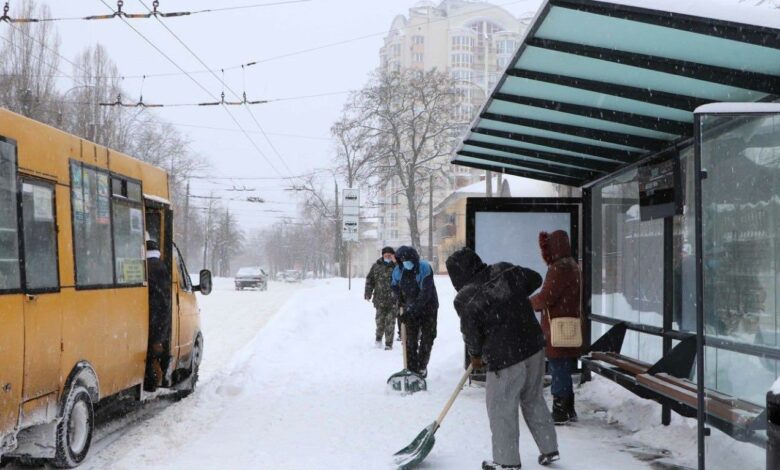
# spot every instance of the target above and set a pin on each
(408, 265)
(387, 261)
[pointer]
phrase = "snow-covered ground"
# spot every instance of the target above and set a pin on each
(291, 380)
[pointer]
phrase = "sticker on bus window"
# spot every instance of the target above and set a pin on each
(136, 221)
(42, 206)
(103, 205)
(132, 271)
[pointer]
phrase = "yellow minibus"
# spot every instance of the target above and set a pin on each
(74, 300)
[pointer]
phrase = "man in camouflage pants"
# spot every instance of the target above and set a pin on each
(378, 287)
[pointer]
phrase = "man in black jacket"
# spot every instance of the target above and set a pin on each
(159, 316)
(502, 334)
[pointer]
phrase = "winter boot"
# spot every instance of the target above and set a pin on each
(378, 343)
(388, 346)
(570, 409)
(547, 459)
(490, 465)
(560, 414)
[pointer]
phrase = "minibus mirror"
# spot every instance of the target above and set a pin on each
(205, 282)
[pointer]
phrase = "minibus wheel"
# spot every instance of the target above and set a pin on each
(197, 355)
(74, 432)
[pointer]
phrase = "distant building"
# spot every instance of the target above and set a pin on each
(473, 41)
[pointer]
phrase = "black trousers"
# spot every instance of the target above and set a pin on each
(420, 333)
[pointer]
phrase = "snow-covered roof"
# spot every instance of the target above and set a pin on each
(517, 186)
(725, 10)
(738, 108)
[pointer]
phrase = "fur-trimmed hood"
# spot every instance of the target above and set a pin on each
(554, 246)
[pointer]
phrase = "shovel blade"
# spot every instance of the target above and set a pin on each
(407, 381)
(414, 453)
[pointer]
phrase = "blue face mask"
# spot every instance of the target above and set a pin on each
(408, 265)
(387, 261)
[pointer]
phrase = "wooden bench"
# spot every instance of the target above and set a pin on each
(733, 411)
(625, 363)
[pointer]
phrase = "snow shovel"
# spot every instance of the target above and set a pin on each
(421, 446)
(406, 381)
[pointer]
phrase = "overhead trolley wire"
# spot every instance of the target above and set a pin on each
(175, 64)
(157, 13)
(293, 53)
(222, 81)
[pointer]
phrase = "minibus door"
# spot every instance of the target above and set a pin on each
(159, 226)
(42, 313)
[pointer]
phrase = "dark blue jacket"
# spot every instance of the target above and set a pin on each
(414, 289)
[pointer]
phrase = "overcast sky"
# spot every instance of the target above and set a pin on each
(298, 129)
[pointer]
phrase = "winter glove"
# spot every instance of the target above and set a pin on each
(476, 363)
(368, 297)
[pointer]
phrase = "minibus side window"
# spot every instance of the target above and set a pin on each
(40, 237)
(185, 282)
(10, 278)
(91, 204)
(128, 221)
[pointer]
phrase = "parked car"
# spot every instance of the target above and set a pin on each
(251, 277)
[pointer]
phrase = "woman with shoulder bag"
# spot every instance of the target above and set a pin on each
(560, 307)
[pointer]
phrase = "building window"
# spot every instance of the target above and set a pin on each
(417, 58)
(396, 50)
(418, 40)
(461, 75)
(393, 234)
(461, 43)
(505, 46)
(40, 236)
(10, 278)
(462, 60)
(503, 61)
(91, 207)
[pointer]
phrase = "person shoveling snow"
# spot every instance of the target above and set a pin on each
(416, 293)
(502, 333)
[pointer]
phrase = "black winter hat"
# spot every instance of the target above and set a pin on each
(388, 249)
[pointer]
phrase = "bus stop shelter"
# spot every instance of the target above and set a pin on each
(680, 210)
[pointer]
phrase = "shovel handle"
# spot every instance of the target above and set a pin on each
(403, 339)
(454, 396)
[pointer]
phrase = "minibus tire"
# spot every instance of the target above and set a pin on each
(197, 355)
(77, 424)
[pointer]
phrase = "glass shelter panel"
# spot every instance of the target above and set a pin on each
(740, 157)
(628, 254)
(499, 236)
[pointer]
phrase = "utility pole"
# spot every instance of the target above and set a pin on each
(337, 248)
(186, 222)
(206, 237)
(224, 263)
(430, 219)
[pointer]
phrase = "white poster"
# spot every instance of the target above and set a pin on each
(136, 221)
(42, 204)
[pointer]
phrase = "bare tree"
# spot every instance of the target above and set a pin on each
(29, 63)
(411, 116)
(356, 158)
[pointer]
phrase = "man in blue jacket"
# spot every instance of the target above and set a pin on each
(413, 285)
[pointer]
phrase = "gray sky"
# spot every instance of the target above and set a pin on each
(298, 129)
